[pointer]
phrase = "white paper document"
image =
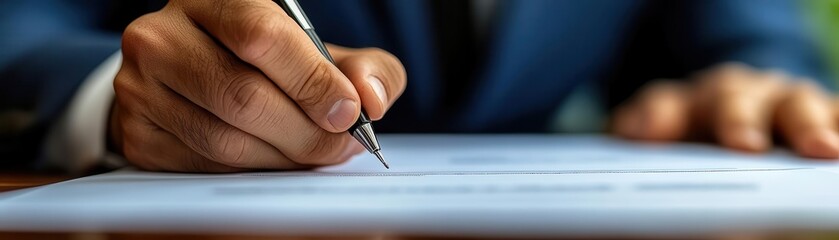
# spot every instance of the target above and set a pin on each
(473, 185)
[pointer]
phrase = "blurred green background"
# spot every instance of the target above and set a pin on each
(824, 16)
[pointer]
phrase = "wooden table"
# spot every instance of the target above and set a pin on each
(14, 181)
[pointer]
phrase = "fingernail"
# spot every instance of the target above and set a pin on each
(753, 139)
(378, 88)
(342, 114)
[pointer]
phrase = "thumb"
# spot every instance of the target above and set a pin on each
(378, 76)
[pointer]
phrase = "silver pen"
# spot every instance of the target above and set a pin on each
(362, 130)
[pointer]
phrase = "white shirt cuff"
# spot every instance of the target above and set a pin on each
(77, 141)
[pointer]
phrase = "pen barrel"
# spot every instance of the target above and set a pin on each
(362, 128)
(319, 44)
(362, 131)
(362, 119)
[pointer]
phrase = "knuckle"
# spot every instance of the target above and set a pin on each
(122, 82)
(313, 89)
(127, 92)
(143, 37)
(146, 44)
(247, 100)
(257, 32)
(123, 91)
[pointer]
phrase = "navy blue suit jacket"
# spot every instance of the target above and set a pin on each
(536, 52)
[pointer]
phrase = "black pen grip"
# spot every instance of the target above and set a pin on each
(362, 119)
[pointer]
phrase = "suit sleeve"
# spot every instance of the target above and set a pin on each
(47, 48)
(768, 34)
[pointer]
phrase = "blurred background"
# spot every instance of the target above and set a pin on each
(583, 112)
(824, 18)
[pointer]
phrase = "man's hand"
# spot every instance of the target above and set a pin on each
(737, 106)
(229, 85)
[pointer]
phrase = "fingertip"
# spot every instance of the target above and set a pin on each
(342, 115)
(662, 114)
(377, 108)
(371, 90)
(818, 144)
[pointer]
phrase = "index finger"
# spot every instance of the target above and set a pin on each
(261, 34)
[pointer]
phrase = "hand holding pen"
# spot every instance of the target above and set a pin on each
(233, 85)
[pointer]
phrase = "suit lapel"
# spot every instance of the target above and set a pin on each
(539, 50)
(414, 38)
(504, 56)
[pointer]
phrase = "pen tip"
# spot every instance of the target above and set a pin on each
(381, 159)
